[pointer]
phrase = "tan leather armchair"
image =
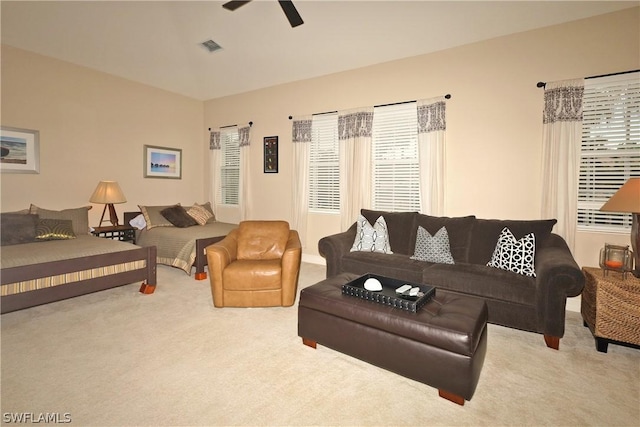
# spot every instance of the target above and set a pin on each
(255, 265)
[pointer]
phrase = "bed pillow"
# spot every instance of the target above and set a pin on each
(17, 228)
(209, 209)
(200, 214)
(371, 238)
(78, 216)
(54, 229)
(434, 248)
(153, 216)
(515, 255)
(138, 222)
(178, 216)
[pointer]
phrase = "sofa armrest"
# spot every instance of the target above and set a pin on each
(558, 276)
(334, 247)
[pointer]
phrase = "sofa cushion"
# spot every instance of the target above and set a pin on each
(17, 228)
(484, 236)
(401, 227)
(371, 238)
(482, 281)
(433, 248)
(398, 266)
(515, 255)
(458, 229)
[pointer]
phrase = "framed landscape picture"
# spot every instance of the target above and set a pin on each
(162, 162)
(20, 150)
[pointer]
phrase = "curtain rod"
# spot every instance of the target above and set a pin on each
(447, 96)
(544, 84)
(230, 126)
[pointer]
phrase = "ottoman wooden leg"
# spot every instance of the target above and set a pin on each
(309, 342)
(452, 397)
(552, 342)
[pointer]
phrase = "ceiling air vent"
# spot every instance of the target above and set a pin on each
(211, 45)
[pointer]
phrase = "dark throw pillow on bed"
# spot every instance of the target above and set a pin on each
(178, 216)
(17, 228)
(54, 229)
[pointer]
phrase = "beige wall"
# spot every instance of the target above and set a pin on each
(93, 127)
(494, 119)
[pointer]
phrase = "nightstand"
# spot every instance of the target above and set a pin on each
(610, 307)
(124, 233)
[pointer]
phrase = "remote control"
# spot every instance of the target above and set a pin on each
(414, 292)
(402, 289)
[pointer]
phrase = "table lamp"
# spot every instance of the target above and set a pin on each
(108, 192)
(627, 199)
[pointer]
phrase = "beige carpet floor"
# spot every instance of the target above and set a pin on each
(120, 358)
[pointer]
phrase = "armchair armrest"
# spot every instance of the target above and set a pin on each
(291, 268)
(558, 276)
(334, 247)
(219, 256)
(226, 250)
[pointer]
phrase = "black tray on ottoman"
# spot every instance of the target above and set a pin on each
(388, 295)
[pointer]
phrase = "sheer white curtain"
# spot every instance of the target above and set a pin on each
(244, 196)
(214, 167)
(561, 139)
(301, 138)
(354, 136)
(432, 127)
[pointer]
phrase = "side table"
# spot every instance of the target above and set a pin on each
(610, 307)
(124, 233)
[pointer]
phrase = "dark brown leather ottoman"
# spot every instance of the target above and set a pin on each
(443, 345)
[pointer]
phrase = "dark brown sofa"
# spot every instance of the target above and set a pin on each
(535, 304)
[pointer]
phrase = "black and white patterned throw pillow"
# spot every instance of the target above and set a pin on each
(371, 238)
(434, 248)
(514, 255)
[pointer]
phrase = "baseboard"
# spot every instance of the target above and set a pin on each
(313, 259)
(573, 304)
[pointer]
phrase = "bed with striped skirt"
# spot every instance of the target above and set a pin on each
(42, 272)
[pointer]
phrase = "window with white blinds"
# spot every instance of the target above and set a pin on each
(230, 166)
(610, 151)
(395, 169)
(324, 167)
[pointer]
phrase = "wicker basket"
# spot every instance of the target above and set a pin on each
(611, 305)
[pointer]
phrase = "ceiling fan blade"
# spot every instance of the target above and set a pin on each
(292, 13)
(233, 5)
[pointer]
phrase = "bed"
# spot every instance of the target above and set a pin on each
(180, 247)
(39, 272)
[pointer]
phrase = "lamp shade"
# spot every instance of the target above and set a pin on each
(107, 192)
(626, 199)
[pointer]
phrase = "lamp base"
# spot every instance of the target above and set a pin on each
(113, 216)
